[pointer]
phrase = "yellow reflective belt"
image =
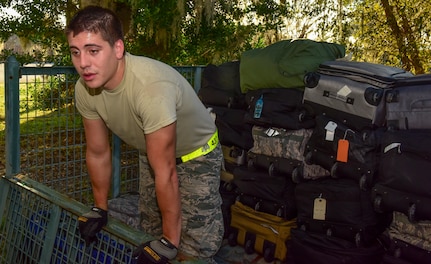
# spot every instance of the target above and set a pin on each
(207, 148)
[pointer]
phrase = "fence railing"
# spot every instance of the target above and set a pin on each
(46, 184)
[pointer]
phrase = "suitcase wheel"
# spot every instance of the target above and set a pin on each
(302, 116)
(250, 163)
(257, 206)
(311, 79)
(377, 204)
(303, 227)
(334, 170)
(329, 232)
(271, 169)
(363, 183)
(411, 213)
(249, 243)
(296, 175)
(373, 96)
(309, 158)
(358, 239)
(268, 251)
(280, 212)
(231, 239)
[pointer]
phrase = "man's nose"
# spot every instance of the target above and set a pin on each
(84, 61)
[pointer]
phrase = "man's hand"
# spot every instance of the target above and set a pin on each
(91, 223)
(156, 251)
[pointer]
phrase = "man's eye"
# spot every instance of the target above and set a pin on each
(74, 52)
(94, 51)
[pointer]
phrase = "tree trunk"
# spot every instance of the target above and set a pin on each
(406, 43)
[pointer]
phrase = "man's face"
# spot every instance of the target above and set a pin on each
(98, 63)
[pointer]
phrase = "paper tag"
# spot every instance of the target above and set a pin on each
(344, 91)
(330, 130)
(343, 150)
(329, 135)
(331, 126)
(319, 209)
(271, 132)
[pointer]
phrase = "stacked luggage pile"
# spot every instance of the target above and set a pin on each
(326, 161)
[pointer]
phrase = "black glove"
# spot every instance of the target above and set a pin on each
(91, 223)
(155, 251)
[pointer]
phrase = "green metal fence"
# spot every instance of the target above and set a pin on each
(46, 185)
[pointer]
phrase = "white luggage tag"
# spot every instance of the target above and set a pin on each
(319, 208)
(330, 130)
(270, 132)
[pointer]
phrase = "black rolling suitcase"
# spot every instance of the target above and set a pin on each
(277, 107)
(232, 128)
(386, 199)
(308, 247)
(220, 86)
(350, 91)
(339, 208)
(269, 194)
(344, 151)
(409, 103)
(403, 183)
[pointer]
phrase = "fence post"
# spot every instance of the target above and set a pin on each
(12, 149)
(197, 78)
(116, 165)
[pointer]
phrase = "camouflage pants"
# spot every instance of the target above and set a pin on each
(202, 219)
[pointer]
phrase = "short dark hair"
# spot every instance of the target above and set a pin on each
(97, 19)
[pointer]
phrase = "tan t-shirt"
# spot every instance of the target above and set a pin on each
(151, 96)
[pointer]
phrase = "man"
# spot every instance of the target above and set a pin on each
(152, 107)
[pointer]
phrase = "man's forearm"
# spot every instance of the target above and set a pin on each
(169, 201)
(100, 170)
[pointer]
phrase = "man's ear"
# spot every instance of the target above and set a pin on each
(119, 48)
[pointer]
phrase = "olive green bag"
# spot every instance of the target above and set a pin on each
(284, 63)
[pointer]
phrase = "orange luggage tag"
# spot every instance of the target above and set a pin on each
(343, 148)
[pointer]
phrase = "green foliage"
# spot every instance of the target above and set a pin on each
(198, 32)
(40, 27)
(49, 94)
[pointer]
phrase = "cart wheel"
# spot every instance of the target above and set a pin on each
(231, 239)
(378, 204)
(268, 254)
(249, 246)
(271, 169)
(358, 239)
(411, 213)
(296, 175)
(309, 158)
(363, 183)
(334, 170)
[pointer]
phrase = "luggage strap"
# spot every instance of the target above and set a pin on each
(205, 149)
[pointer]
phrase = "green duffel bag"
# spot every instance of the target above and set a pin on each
(284, 63)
